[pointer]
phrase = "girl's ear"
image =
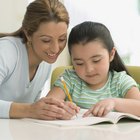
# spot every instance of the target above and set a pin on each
(112, 54)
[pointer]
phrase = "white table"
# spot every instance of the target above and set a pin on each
(12, 129)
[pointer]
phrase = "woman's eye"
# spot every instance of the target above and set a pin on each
(46, 41)
(62, 40)
(79, 64)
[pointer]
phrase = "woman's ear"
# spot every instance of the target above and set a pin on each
(112, 54)
(27, 36)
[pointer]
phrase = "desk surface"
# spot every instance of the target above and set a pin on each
(12, 129)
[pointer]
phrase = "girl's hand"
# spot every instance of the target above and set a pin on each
(70, 110)
(101, 108)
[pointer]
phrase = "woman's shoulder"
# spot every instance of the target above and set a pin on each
(9, 46)
(8, 51)
(10, 43)
(11, 39)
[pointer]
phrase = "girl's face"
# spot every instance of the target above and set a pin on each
(91, 62)
(48, 41)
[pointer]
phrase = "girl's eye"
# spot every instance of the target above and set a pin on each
(96, 61)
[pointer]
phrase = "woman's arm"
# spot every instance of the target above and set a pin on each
(48, 108)
(45, 108)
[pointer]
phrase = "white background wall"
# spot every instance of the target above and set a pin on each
(11, 14)
(122, 17)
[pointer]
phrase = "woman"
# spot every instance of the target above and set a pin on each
(25, 62)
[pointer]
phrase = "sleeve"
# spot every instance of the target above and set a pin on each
(4, 109)
(67, 75)
(8, 58)
(126, 83)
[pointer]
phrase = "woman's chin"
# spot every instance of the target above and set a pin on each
(51, 61)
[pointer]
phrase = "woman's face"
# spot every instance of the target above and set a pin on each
(91, 62)
(48, 41)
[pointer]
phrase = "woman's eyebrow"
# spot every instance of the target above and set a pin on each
(63, 35)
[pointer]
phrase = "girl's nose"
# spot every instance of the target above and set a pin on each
(89, 68)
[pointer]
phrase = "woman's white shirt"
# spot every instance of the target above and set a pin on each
(15, 85)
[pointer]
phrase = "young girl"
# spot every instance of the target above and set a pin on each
(99, 81)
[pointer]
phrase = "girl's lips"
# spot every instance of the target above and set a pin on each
(91, 75)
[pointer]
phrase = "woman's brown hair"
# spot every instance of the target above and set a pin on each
(37, 12)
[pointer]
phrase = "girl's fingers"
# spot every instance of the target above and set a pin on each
(87, 113)
(100, 112)
(73, 106)
(69, 109)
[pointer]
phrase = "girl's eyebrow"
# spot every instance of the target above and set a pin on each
(98, 55)
(92, 57)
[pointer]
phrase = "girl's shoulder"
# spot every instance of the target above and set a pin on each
(71, 73)
(71, 76)
(120, 76)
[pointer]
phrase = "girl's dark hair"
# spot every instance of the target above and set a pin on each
(37, 12)
(90, 31)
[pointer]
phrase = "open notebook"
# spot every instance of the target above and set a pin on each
(112, 117)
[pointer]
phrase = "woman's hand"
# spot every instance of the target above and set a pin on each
(101, 108)
(51, 109)
(46, 108)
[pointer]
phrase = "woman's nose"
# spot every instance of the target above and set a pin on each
(55, 47)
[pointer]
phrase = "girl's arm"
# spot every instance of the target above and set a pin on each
(56, 92)
(129, 104)
(70, 109)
